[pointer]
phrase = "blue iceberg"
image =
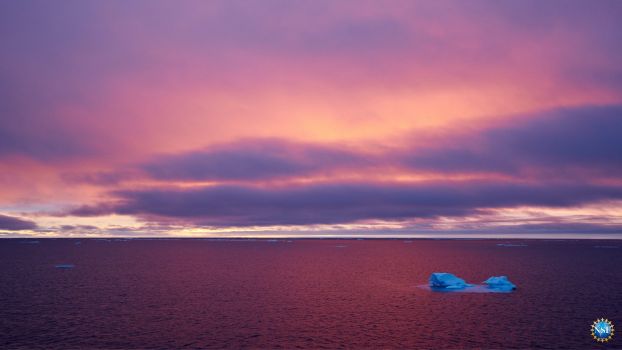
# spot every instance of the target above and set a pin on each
(447, 282)
(444, 280)
(499, 283)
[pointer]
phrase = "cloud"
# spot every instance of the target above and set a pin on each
(101, 178)
(123, 102)
(580, 142)
(10, 223)
(39, 122)
(66, 74)
(565, 141)
(554, 158)
(341, 202)
(253, 160)
(553, 227)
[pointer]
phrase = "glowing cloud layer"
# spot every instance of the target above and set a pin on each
(351, 117)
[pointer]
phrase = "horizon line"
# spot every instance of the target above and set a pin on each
(466, 236)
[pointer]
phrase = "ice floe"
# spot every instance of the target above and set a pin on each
(65, 266)
(511, 245)
(29, 242)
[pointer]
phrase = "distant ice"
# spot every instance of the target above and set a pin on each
(29, 242)
(606, 246)
(340, 246)
(65, 266)
(511, 245)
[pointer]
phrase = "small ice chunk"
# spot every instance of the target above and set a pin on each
(65, 266)
(499, 283)
(511, 245)
(446, 280)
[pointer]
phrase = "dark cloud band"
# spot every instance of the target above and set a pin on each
(10, 223)
(342, 202)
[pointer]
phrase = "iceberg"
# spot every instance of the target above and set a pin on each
(499, 283)
(64, 266)
(447, 282)
(444, 280)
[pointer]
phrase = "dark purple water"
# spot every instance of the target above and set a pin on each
(303, 294)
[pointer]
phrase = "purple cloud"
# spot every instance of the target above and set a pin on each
(253, 160)
(10, 223)
(342, 202)
(562, 142)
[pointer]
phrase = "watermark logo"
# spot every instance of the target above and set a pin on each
(602, 330)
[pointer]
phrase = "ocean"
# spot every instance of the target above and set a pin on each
(304, 293)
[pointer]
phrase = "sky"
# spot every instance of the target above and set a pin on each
(310, 118)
